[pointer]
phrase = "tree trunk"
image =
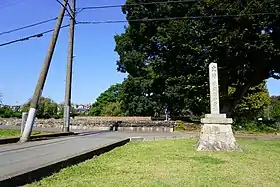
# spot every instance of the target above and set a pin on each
(229, 105)
(227, 108)
(239, 93)
(226, 103)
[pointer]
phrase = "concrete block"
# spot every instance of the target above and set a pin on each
(213, 120)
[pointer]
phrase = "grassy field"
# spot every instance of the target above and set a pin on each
(175, 163)
(9, 133)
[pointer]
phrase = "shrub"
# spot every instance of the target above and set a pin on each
(180, 126)
(256, 125)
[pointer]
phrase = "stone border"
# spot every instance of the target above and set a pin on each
(36, 137)
(87, 123)
(115, 118)
(129, 129)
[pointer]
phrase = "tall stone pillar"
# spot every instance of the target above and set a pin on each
(216, 133)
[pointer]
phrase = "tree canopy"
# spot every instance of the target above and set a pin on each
(6, 112)
(108, 103)
(47, 108)
(167, 60)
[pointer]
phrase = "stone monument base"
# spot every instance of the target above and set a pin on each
(216, 134)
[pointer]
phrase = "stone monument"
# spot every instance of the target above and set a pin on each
(216, 133)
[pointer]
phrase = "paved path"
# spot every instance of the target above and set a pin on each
(16, 159)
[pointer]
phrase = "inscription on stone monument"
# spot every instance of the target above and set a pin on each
(214, 89)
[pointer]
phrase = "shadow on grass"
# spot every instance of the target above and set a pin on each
(208, 160)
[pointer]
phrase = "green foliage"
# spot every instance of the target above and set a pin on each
(167, 61)
(108, 103)
(112, 109)
(274, 110)
(8, 113)
(47, 108)
(10, 133)
(5, 112)
(275, 113)
(137, 100)
(254, 102)
(17, 114)
(248, 125)
(180, 126)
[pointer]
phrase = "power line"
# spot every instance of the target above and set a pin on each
(70, 14)
(33, 25)
(106, 6)
(174, 18)
(28, 26)
(31, 36)
(141, 20)
(135, 4)
(96, 7)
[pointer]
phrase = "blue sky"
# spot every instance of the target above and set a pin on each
(94, 67)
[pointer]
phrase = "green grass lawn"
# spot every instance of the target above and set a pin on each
(10, 133)
(175, 163)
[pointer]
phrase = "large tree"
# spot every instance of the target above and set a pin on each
(47, 108)
(169, 58)
(108, 103)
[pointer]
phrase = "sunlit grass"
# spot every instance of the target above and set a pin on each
(11, 133)
(175, 163)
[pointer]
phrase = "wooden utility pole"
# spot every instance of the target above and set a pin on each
(68, 86)
(42, 78)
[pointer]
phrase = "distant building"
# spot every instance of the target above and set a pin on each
(15, 108)
(81, 108)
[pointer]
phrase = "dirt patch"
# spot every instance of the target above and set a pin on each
(271, 136)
